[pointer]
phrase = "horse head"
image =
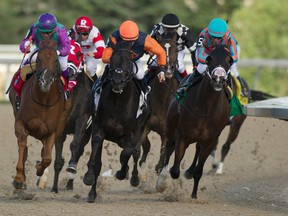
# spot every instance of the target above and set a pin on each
(168, 42)
(47, 67)
(218, 65)
(121, 66)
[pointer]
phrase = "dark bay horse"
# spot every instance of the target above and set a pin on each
(42, 114)
(116, 119)
(199, 117)
(78, 122)
(161, 96)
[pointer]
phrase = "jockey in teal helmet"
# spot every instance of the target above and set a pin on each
(217, 32)
(217, 28)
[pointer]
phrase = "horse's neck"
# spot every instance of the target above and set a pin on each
(206, 97)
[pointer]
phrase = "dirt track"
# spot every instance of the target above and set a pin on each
(255, 179)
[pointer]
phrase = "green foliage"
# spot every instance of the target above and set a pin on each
(261, 29)
(260, 26)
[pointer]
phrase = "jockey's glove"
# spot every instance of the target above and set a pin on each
(27, 45)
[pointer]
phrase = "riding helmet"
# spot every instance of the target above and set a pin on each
(46, 22)
(170, 21)
(217, 27)
(129, 30)
(83, 24)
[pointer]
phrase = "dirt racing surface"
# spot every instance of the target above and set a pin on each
(254, 182)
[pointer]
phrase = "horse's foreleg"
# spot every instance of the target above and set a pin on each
(161, 181)
(59, 161)
(235, 126)
(189, 172)
(98, 164)
(20, 178)
(46, 151)
(96, 147)
(160, 163)
(146, 146)
(180, 149)
(205, 151)
(124, 158)
(134, 181)
(80, 139)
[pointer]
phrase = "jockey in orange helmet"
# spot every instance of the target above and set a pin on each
(142, 43)
(91, 42)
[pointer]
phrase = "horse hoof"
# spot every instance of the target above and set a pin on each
(134, 181)
(71, 168)
(92, 197)
(120, 175)
(54, 190)
(69, 185)
(88, 179)
(188, 175)
(175, 173)
(19, 185)
(158, 168)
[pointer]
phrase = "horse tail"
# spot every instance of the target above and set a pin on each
(259, 95)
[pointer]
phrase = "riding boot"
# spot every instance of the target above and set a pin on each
(243, 90)
(145, 90)
(18, 83)
(188, 83)
(95, 77)
(150, 73)
(65, 75)
(98, 83)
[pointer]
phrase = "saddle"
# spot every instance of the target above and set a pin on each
(27, 70)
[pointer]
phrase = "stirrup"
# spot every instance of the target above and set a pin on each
(67, 94)
(180, 92)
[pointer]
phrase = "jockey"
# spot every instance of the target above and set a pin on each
(142, 43)
(91, 42)
(217, 32)
(169, 26)
(46, 28)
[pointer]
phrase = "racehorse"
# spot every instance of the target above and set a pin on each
(78, 122)
(161, 96)
(43, 112)
(116, 118)
(199, 117)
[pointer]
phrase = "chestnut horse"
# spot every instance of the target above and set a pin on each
(199, 117)
(116, 119)
(161, 96)
(42, 112)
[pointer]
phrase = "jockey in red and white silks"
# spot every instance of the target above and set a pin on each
(91, 42)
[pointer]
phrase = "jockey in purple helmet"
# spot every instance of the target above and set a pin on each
(46, 28)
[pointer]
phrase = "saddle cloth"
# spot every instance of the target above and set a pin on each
(97, 95)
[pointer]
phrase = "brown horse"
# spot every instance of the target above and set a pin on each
(199, 117)
(42, 112)
(161, 96)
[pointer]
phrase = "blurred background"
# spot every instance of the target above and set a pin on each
(261, 28)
